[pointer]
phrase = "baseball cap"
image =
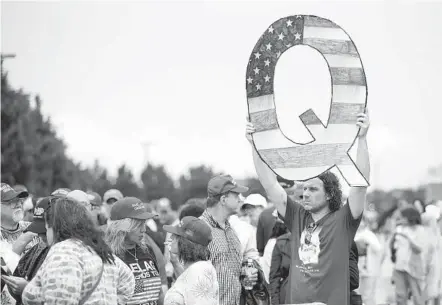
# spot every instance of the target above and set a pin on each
(129, 207)
(20, 188)
(193, 229)
(95, 199)
(256, 200)
(8, 193)
(61, 192)
(38, 222)
(112, 194)
(222, 184)
(80, 196)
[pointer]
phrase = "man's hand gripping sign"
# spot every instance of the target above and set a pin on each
(333, 141)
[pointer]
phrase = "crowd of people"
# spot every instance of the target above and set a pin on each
(302, 243)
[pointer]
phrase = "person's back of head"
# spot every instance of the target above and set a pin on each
(68, 219)
(194, 209)
(279, 229)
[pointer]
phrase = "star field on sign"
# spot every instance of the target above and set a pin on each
(282, 35)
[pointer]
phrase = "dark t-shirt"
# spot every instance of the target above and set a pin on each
(319, 270)
(147, 277)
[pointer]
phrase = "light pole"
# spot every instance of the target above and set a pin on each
(146, 145)
(5, 56)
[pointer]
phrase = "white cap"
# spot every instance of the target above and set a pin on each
(256, 200)
(112, 194)
(433, 211)
(80, 196)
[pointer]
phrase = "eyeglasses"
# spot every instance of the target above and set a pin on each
(14, 203)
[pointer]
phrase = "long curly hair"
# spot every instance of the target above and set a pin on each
(71, 220)
(117, 231)
(332, 188)
(190, 252)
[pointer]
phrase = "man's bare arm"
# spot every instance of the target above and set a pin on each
(357, 195)
(267, 177)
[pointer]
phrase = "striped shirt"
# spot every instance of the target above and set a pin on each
(225, 254)
(71, 270)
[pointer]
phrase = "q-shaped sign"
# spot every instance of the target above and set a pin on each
(332, 142)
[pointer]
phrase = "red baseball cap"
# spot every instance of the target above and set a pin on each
(8, 193)
(130, 207)
(222, 184)
(193, 229)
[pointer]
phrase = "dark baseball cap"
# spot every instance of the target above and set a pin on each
(130, 207)
(193, 229)
(8, 193)
(222, 184)
(38, 222)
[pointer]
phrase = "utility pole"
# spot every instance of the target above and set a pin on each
(146, 145)
(5, 56)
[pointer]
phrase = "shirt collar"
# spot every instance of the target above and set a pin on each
(209, 218)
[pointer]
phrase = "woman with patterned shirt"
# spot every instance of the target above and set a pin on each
(79, 268)
(198, 284)
(125, 235)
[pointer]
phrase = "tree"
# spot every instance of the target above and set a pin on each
(101, 182)
(194, 183)
(32, 153)
(16, 152)
(157, 183)
(125, 182)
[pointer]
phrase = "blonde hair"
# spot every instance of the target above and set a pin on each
(116, 233)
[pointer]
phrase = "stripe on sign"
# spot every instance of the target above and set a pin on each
(342, 61)
(349, 94)
(275, 138)
(301, 173)
(264, 120)
(307, 155)
(339, 114)
(325, 33)
(330, 46)
(261, 103)
(318, 22)
(347, 76)
(272, 138)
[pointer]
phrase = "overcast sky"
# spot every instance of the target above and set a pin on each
(113, 76)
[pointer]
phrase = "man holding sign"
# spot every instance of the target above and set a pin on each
(322, 229)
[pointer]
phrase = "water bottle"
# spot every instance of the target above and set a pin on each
(248, 284)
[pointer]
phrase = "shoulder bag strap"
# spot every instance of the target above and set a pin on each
(87, 296)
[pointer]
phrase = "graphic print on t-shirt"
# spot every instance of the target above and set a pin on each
(309, 248)
(147, 279)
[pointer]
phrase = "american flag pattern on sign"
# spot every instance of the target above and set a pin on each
(349, 94)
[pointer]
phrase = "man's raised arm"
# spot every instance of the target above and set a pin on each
(267, 177)
(357, 196)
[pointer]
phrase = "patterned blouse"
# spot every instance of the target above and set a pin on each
(68, 273)
(197, 285)
(225, 254)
